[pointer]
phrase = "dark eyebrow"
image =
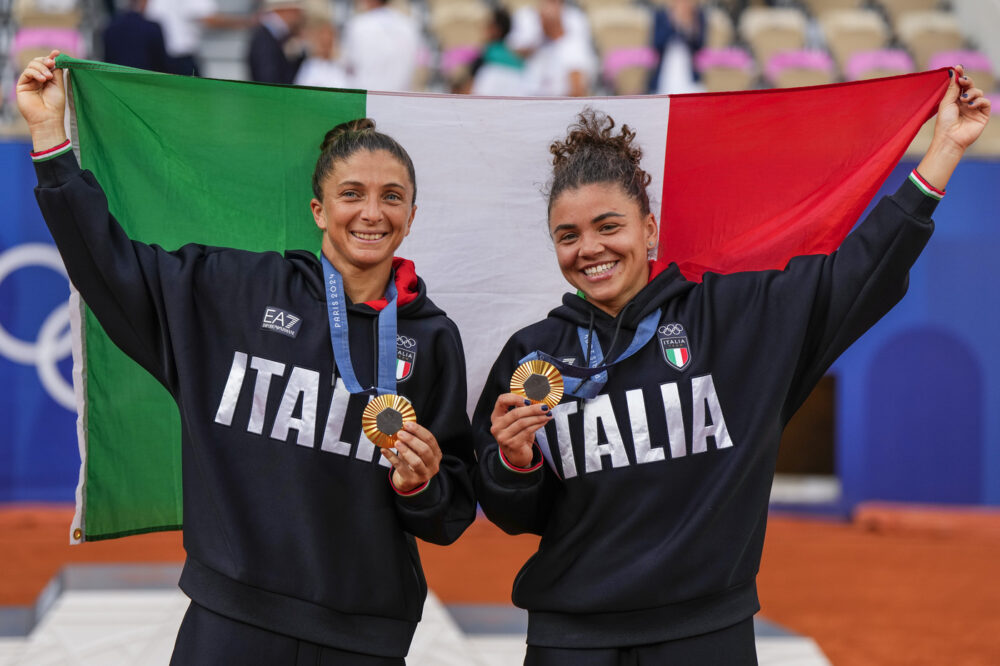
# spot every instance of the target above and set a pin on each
(357, 183)
(604, 216)
(599, 218)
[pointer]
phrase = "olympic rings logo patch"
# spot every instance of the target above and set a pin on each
(54, 341)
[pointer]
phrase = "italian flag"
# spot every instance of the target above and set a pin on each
(740, 181)
(678, 356)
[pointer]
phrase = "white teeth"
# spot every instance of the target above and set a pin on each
(599, 268)
(367, 237)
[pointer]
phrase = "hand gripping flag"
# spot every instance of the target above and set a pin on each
(746, 180)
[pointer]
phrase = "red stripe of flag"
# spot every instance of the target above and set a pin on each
(755, 178)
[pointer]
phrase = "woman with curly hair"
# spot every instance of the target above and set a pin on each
(648, 481)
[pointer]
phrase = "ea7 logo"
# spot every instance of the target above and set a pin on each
(674, 345)
(281, 321)
(406, 356)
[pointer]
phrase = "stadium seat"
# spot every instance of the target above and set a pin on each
(31, 42)
(588, 5)
(47, 13)
(771, 29)
(457, 57)
(791, 69)
(459, 24)
(730, 68)
(626, 70)
(894, 8)
(876, 64)
(976, 63)
(925, 33)
(848, 31)
(617, 27)
(719, 28)
(819, 7)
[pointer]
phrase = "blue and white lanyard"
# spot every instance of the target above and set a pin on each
(587, 382)
(337, 309)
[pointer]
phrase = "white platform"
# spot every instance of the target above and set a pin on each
(112, 628)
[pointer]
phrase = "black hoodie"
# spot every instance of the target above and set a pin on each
(290, 521)
(652, 501)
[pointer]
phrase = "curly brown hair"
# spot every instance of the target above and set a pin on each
(347, 138)
(593, 153)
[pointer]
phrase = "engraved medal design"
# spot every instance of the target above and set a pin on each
(538, 381)
(384, 417)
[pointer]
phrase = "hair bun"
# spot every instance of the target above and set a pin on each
(593, 153)
(350, 127)
(593, 132)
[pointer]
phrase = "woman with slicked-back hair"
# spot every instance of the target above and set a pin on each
(646, 463)
(299, 536)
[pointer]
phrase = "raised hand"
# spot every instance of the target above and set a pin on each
(41, 99)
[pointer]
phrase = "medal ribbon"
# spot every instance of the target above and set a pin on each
(587, 382)
(336, 305)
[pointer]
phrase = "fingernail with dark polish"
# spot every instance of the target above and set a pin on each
(545, 408)
(527, 402)
(951, 73)
(548, 413)
(964, 95)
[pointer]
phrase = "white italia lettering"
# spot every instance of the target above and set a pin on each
(561, 414)
(675, 419)
(231, 394)
(305, 383)
(644, 453)
(706, 418)
(265, 370)
(596, 412)
(332, 441)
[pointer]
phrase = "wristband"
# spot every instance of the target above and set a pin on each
(55, 151)
(522, 470)
(410, 493)
(925, 187)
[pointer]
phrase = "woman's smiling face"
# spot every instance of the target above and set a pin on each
(602, 241)
(366, 211)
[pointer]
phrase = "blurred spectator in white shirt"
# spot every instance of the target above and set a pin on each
(183, 22)
(380, 47)
(564, 64)
(321, 68)
(526, 33)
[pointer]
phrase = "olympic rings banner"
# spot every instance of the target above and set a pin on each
(37, 404)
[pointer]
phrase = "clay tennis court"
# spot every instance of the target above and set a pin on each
(897, 585)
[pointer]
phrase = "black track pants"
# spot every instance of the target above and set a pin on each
(208, 639)
(732, 646)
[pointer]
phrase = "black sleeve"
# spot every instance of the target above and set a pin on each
(447, 505)
(516, 501)
(122, 281)
(266, 59)
(820, 304)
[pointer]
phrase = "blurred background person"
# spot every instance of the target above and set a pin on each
(133, 40)
(526, 32)
(380, 47)
(321, 67)
(183, 23)
(276, 50)
(499, 70)
(678, 33)
(564, 65)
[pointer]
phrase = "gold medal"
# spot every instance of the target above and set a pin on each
(538, 381)
(384, 417)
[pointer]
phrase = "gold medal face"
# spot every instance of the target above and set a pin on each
(384, 417)
(538, 381)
